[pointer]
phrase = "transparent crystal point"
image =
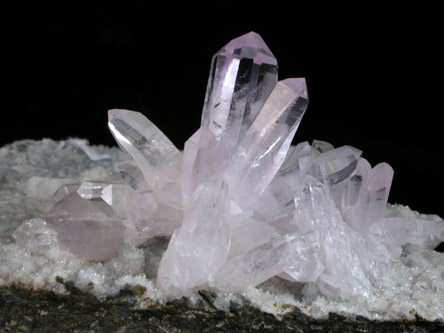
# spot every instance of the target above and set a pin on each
(322, 146)
(199, 161)
(156, 156)
(91, 190)
(367, 196)
(242, 76)
(335, 165)
(63, 192)
(116, 196)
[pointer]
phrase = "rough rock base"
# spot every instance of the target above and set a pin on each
(22, 310)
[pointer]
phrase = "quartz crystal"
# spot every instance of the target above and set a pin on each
(242, 75)
(158, 159)
(265, 261)
(88, 228)
(241, 204)
(36, 235)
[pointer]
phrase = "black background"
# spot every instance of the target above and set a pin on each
(370, 79)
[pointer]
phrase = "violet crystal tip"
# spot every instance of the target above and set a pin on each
(251, 40)
(298, 85)
(113, 113)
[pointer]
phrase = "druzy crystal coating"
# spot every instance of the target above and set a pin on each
(240, 204)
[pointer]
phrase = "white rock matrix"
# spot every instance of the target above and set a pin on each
(240, 211)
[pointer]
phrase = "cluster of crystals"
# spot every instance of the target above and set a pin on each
(240, 203)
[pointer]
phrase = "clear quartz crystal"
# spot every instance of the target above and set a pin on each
(116, 196)
(243, 74)
(36, 235)
(156, 156)
(91, 190)
(265, 261)
(199, 161)
(88, 228)
(63, 192)
(400, 225)
(151, 217)
(369, 198)
(273, 190)
(322, 146)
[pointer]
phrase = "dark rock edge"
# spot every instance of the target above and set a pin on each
(24, 310)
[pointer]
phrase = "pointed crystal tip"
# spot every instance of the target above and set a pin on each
(250, 45)
(298, 85)
(251, 39)
(114, 112)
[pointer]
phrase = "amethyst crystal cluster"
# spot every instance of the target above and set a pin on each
(240, 204)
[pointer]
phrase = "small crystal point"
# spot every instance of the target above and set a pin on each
(63, 192)
(199, 161)
(91, 190)
(156, 156)
(116, 195)
(298, 85)
(242, 77)
(248, 45)
(338, 164)
(322, 146)
(367, 196)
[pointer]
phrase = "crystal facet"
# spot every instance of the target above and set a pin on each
(262, 151)
(88, 228)
(265, 261)
(243, 74)
(156, 156)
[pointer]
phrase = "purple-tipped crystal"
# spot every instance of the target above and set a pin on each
(243, 74)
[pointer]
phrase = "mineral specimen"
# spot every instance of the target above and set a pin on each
(239, 207)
